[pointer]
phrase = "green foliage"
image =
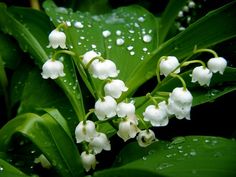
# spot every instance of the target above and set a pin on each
(192, 156)
(47, 113)
(49, 137)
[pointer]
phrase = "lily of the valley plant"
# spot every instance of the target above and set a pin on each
(101, 63)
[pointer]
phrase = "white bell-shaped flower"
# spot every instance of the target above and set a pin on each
(88, 56)
(88, 160)
(124, 109)
(85, 131)
(57, 39)
(157, 115)
(146, 137)
(115, 88)
(52, 69)
(217, 65)
(105, 108)
(103, 69)
(128, 127)
(100, 142)
(202, 75)
(168, 65)
(179, 103)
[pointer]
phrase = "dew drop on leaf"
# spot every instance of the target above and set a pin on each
(78, 25)
(147, 38)
(120, 41)
(106, 33)
(1, 169)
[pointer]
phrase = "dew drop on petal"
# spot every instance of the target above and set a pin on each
(120, 41)
(147, 38)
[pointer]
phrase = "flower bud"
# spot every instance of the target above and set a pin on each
(145, 138)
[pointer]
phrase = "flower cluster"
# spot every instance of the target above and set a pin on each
(109, 105)
(97, 141)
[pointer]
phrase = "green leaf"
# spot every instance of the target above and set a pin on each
(185, 156)
(169, 16)
(32, 36)
(133, 36)
(49, 137)
(32, 99)
(8, 170)
(203, 33)
(9, 51)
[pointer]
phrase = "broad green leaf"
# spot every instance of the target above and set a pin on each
(203, 33)
(36, 94)
(7, 170)
(54, 113)
(49, 137)
(9, 51)
(32, 36)
(126, 36)
(185, 156)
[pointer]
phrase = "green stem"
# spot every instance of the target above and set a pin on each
(158, 68)
(194, 61)
(181, 79)
(54, 56)
(61, 25)
(90, 62)
(143, 122)
(152, 99)
(88, 114)
(205, 50)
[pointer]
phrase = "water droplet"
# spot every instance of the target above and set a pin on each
(169, 155)
(118, 32)
(82, 37)
(106, 33)
(136, 25)
(164, 165)
(132, 53)
(68, 23)
(185, 154)
(145, 49)
(178, 140)
(180, 147)
(78, 25)
(193, 153)
(147, 38)
(131, 31)
(195, 139)
(207, 141)
(144, 158)
(1, 169)
(130, 47)
(120, 41)
(109, 47)
(141, 19)
(94, 46)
